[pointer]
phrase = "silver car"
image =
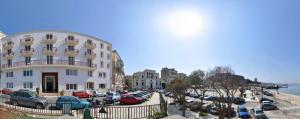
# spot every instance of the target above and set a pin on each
(258, 113)
(28, 98)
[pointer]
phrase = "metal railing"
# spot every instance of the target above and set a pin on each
(44, 62)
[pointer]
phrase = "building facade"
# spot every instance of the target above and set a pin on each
(118, 74)
(169, 74)
(54, 61)
(147, 79)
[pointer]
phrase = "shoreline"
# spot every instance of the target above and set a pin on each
(290, 98)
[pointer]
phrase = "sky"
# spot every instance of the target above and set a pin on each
(255, 38)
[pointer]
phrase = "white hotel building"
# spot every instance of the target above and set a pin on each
(55, 61)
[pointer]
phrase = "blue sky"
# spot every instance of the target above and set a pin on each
(256, 38)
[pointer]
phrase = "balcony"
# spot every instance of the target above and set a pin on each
(52, 40)
(8, 45)
(91, 55)
(90, 45)
(26, 41)
(49, 51)
(71, 42)
(55, 63)
(8, 55)
(71, 52)
(27, 53)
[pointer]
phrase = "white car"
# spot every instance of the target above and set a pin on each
(258, 113)
(267, 102)
(98, 94)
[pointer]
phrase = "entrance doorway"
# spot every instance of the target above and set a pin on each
(49, 82)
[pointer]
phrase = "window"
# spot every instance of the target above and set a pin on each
(101, 54)
(142, 76)
(71, 48)
(27, 48)
(71, 72)
(142, 82)
(108, 48)
(71, 86)
(27, 73)
(89, 63)
(101, 64)
(100, 74)
(101, 45)
(104, 74)
(49, 46)
(89, 51)
(27, 60)
(9, 51)
(108, 66)
(137, 83)
(90, 73)
(71, 60)
(10, 85)
(101, 85)
(49, 59)
(90, 85)
(108, 56)
(70, 37)
(9, 74)
(49, 36)
(27, 85)
(9, 63)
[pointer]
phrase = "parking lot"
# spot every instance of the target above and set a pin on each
(250, 104)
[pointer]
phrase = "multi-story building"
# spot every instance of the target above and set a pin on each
(169, 74)
(147, 79)
(54, 61)
(117, 71)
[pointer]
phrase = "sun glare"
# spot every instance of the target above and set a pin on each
(183, 23)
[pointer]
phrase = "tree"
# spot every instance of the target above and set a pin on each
(178, 87)
(197, 81)
(226, 85)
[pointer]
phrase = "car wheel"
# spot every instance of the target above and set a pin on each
(39, 106)
(15, 103)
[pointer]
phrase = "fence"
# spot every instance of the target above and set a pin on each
(112, 112)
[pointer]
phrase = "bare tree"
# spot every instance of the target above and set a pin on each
(178, 87)
(197, 81)
(226, 85)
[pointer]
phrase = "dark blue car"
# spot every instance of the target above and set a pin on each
(243, 112)
(74, 101)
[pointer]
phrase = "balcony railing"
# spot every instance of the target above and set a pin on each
(54, 63)
(27, 41)
(71, 52)
(8, 55)
(71, 41)
(51, 51)
(89, 45)
(46, 40)
(25, 52)
(91, 55)
(8, 45)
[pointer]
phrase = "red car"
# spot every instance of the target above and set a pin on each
(7, 91)
(81, 94)
(130, 99)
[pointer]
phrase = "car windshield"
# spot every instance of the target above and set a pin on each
(243, 110)
(32, 94)
(259, 112)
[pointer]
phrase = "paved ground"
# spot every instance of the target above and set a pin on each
(287, 110)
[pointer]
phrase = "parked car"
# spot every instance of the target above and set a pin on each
(194, 95)
(98, 93)
(268, 93)
(268, 106)
(28, 98)
(81, 94)
(7, 91)
(209, 98)
(239, 100)
(130, 99)
(266, 99)
(74, 101)
(139, 95)
(115, 96)
(243, 112)
(258, 113)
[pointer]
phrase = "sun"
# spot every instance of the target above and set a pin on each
(183, 23)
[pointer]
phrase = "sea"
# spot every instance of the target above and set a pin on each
(293, 89)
